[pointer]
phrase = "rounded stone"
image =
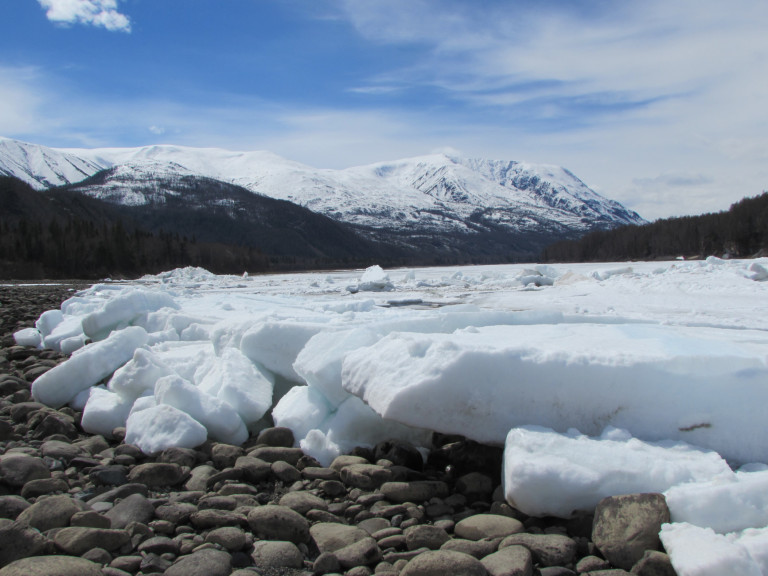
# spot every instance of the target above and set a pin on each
(20, 541)
(48, 565)
(156, 474)
(278, 436)
(51, 512)
(425, 536)
(228, 537)
(206, 562)
(442, 562)
(16, 469)
(273, 522)
(418, 491)
(302, 502)
(277, 554)
(12, 506)
(628, 525)
(133, 508)
(511, 561)
(77, 540)
(547, 549)
(487, 526)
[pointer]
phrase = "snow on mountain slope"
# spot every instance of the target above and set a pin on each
(427, 193)
(42, 167)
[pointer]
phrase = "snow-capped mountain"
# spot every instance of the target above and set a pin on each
(426, 195)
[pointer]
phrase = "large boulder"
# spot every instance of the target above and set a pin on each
(628, 525)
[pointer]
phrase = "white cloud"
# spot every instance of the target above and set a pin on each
(20, 100)
(622, 93)
(93, 12)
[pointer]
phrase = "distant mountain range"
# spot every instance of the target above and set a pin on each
(427, 209)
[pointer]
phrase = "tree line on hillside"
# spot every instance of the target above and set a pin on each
(742, 231)
(76, 248)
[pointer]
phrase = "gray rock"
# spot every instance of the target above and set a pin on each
(359, 571)
(52, 565)
(347, 460)
(277, 554)
(653, 563)
(228, 537)
(278, 523)
(511, 561)
(547, 549)
(111, 475)
(59, 450)
(302, 502)
(352, 546)
(52, 424)
(98, 556)
(128, 564)
(12, 506)
(365, 476)
(373, 525)
(198, 478)
(477, 548)
(318, 473)
(43, 486)
(7, 431)
(626, 526)
(157, 474)
(285, 472)
(18, 540)
(16, 469)
(487, 526)
(225, 455)
(175, 512)
(134, 508)
(591, 564)
(180, 456)
(51, 512)
(217, 502)
(154, 564)
(442, 562)
(118, 493)
(417, 491)
(277, 436)
(207, 562)
(254, 469)
(333, 488)
(78, 539)
(93, 444)
(475, 486)
(207, 519)
(276, 453)
(159, 545)
(556, 571)
(90, 519)
(326, 563)
(425, 536)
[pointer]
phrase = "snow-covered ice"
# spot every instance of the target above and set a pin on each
(551, 474)
(674, 354)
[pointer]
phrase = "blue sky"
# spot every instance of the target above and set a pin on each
(660, 104)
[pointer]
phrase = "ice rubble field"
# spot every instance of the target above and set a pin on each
(598, 379)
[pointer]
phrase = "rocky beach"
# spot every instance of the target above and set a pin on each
(72, 503)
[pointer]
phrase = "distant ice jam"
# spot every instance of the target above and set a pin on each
(599, 381)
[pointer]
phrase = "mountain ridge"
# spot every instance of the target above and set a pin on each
(457, 202)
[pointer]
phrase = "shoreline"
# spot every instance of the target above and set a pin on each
(225, 509)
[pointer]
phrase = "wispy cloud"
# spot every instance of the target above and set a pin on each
(102, 13)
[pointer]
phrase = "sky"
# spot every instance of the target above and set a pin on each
(660, 104)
